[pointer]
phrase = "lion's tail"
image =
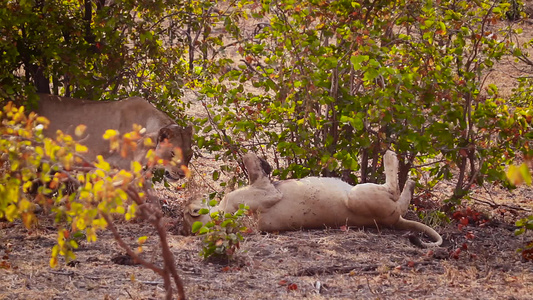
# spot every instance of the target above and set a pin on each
(419, 227)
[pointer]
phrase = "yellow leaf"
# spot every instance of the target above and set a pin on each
(98, 186)
(86, 195)
(80, 129)
(102, 164)
(28, 219)
(91, 234)
(81, 178)
(114, 145)
(11, 212)
(26, 186)
(55, 253)
(110, 133)
(150, 154)
(99, 173)
(148, 142)
(80, 223)
(25, 205)
(137, 127)
(136, 166)
(514, 175)
(120, 210)
(81, 149)
(525, 173)
(73, 244)
(131, 211)
(39, 151)
(43, 120)
(122, 195)
(141, 240)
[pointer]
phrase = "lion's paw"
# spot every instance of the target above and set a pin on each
(410, 185)
(390, 159)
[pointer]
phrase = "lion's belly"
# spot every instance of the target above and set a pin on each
(311, 203)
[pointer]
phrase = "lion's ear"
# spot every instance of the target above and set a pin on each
(164, 133)
(194, 211)
(189, 130)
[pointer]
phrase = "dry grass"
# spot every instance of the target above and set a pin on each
(318, 264)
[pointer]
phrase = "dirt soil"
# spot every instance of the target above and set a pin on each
(478, 261)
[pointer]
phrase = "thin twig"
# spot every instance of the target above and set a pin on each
(202, 177)
(496, 205)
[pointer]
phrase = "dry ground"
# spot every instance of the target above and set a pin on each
(317, 264)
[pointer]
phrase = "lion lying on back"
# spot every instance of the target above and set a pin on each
(318, 202)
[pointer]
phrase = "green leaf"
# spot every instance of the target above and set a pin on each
(357, 60)
(519, 231)
(196, 226)
(203, 230)
(371, 74)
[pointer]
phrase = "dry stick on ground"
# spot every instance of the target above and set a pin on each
(496, 205)
(155, 217)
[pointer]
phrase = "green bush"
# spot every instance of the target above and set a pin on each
(337, 83)
(221, 236)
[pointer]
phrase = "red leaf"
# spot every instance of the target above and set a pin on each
(410, 264)
(470, 236)
(225, 269)
(527, 254)
(283, 282)
(464, 246)
(455, 254)
(292, 287)
(464, 221)
(457, 215)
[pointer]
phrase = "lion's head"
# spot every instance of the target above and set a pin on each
(174, 145)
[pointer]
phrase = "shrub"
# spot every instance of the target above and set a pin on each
(337, 83)
(221, 236)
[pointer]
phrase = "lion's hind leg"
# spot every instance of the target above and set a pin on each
(406, 196)
(390, 162)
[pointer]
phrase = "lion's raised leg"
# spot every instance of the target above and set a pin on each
(406, 196)
(390, 162)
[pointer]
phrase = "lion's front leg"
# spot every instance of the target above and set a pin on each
(257, 198)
